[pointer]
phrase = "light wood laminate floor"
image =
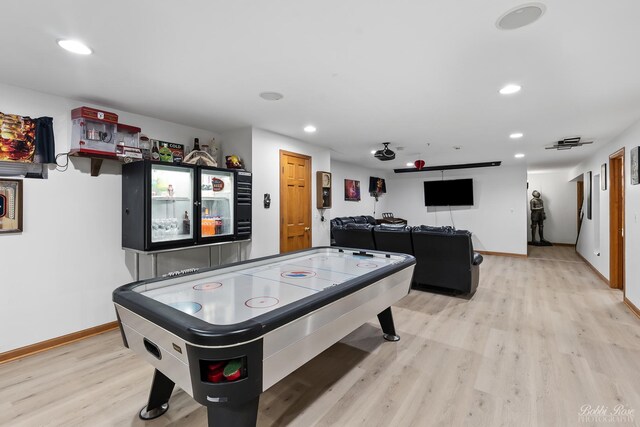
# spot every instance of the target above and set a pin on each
(542, 337)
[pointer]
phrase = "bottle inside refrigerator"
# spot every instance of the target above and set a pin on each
(217, 203)
(171, 203)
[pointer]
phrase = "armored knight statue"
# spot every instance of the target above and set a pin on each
(537, 219)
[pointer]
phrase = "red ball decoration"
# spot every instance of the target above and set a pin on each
(419, 164)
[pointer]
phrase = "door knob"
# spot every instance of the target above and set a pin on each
(307, 228)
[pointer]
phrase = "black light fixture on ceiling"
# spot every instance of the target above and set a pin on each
(568, 143)
(385, 154)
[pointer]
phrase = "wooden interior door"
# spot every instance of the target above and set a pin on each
(616, 220)
(295, 201)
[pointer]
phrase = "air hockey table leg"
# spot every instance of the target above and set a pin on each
(388, 328)
(158, 404)
(239, 415)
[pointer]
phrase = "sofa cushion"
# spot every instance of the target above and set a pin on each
(353, 235)
(445, 258)
(393, 238)
(358, 226)
(370, 220)
(359, 219)
(434, 229)
(393, 227)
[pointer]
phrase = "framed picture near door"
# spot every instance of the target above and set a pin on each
(635, 177)
(603, 177)
(10, 206)
(589, 184)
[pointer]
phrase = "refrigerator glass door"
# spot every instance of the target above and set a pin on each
(171, 203)
(217, 203)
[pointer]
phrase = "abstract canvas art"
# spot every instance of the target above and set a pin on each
(17, 138)
(10, 206)
(351, 190)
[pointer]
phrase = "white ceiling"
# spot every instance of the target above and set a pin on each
(362, 71)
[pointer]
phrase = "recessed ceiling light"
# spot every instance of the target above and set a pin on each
(410, 164)
(520, 16)
(373, 151)
(510, 89)
(75, 46)
(519, 156)
(309, 129)
(516, 135)
(457, 147)
(271, 96)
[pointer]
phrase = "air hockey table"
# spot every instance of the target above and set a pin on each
(224, 335)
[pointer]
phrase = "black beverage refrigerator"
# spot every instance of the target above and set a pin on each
(166, 206)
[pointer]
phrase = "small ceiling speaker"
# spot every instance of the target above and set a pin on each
(271, 96)
(419, 164)
(521, 16)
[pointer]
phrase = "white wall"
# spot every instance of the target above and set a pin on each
(367, 204)
(58, 275)
(587, 244)
(265, 154)
(498, 219)
(238, 142)
(559, 197)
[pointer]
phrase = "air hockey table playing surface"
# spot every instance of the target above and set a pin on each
(274, 314)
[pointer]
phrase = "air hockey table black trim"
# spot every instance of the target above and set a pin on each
(199, 332)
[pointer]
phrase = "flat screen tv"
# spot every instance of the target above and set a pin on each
(453, 192)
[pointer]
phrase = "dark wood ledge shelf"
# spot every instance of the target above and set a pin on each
(96, 160)
(449, 167)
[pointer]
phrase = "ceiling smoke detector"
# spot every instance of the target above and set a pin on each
(385, 154)
(568, 143)
(521, 16)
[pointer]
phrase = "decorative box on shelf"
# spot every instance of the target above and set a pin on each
(93, 131)
(128, 143)
(97, 135)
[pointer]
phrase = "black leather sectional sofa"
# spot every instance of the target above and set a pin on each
(445, 257)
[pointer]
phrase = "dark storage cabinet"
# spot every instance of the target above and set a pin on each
(167, 206)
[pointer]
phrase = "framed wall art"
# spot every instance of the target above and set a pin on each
(351, 190)
(323, 193)
(635, 177)
(10, 206)
(589, 184)
(603, 177)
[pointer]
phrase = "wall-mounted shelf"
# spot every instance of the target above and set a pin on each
(97, 159)
(28, 170)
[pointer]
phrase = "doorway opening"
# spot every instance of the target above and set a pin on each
(580, 190)
(616, 220)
